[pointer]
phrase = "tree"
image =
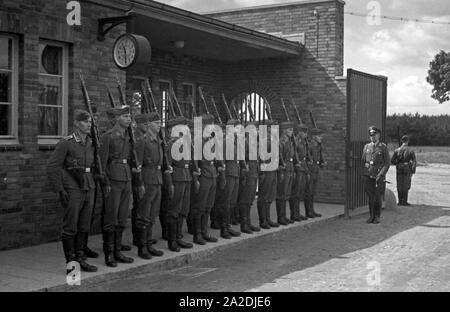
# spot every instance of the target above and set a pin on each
(439, 76)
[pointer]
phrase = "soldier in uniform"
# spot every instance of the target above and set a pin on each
(247, 191)
(314, 165)
(69, 170)
(116, 154)
(203, 201)
(150, 155)
(301, 173)
(176, 209)
(404, 159)
(267, 185)
(227, 199)
(285, 172)
(375, 158)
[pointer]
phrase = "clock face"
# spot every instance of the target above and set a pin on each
(125, 51)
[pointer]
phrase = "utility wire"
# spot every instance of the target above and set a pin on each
(395, 18)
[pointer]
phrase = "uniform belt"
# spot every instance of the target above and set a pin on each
(153, 166)
(120, 161)
(290, 160)
(406, 163)
(185, 166)
(86, 170)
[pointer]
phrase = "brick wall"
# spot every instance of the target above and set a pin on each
(310, 79)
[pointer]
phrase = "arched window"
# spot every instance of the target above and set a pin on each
(250, 106)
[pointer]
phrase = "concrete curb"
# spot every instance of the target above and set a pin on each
(194, 255)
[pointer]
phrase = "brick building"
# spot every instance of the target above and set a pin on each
(293, 49)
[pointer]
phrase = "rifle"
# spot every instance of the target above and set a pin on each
(194, 162)
(202, 97)
(226, 107)
(321, 161)
(135, 161)
(215, 108)
(166, 161)
(111, 98)
(96, 144)
(297, 114)
(222, 177)
(307, 156)
(250, 110)
(294, 144)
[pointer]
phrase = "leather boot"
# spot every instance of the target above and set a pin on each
(117, 247)
(134, 230)
(376, 212)
(233, 219)
(141, 240)
(262, 216)
(88, 253)
(308, 211)
(204, 226)
(69, 248)
(163, 228)
(280, 217)
(233, 232)
(215, 224)
(198, 238)
(252, 227)
(244, 223)
(171, 228)
(224, 232)
(108, 249)
(179, 227)
(190, 224)
(316, 214)
(150, 241)
(79, 251)
(237, 214)
(400, 198)
(370, 220)
(294, 206)
(405, 196)
(269, 221)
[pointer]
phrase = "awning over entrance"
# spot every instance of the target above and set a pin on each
(167, 27)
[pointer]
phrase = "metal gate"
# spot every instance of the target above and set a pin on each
(366, 106)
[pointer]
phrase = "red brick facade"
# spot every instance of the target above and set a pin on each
(29, 210)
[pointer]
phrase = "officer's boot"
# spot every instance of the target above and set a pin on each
(376, 212)
(400, 198)
(308, 207)
(80, 256)
(262, 216)
(252, 227)
(198, 238)
(108, 249)
(134, 230)
(117, 247)
(179, 227)
(171, 228)
(302, 217)
(164, 229)
(316, 214)
(150, 241)
(405, 196)
(215, 224)
(204, 226)
(281, 218)
(370, 220)
(88, 253)
(288, 220)
(244, 223)
(190, 224)
(68, 243)
(141, 240)
(233, 218)
(269, 220)
(230, 231)
(294, 207)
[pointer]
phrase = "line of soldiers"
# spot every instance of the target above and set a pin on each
(175, 189)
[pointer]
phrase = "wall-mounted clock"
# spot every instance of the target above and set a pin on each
(131, 50)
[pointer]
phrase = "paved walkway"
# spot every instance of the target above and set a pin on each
(42, 268)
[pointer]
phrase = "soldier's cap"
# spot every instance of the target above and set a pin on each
(252, 123)
(233, 122)
(81, 115)
(207, 119)
(286, 125)
(316, 131)
(143, 118)
(373, 130)
(123, 110)
(405, 138)
(301, 126)
(176, 121)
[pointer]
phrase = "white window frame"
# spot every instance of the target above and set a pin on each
(13, 138)
(54, 139)
(163, 105)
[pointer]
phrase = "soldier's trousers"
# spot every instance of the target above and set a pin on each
(78, 212)
(267, 190)
(117, 206)
(226, 199)
(298, 193)
(247, 192)
(403, 182)
(375, 192)
(284, 187)
(178, 206)
(311, 186)
(203, 201)
(149, 205)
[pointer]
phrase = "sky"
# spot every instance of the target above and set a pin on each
(399, 50)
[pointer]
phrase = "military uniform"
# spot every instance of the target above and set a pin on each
(115, 155)
(285, 175)
(69, 170)
(375, 158)
(300, 179)
(404, 159)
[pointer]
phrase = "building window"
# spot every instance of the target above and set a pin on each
(164, 94)
(8, 89)
(53, 91)
(250, 105)
(188, 100)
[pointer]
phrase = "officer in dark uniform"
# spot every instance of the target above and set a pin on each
(227, 198)
(301, 173)
(203, 201)
(115, 154)
(285, 172)
(150, 155)
(404, 159)
(314, 165)
(69, 170)
(247, 190)
(214, 213)
(177, 208)
(375, 158)
(267, 183)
